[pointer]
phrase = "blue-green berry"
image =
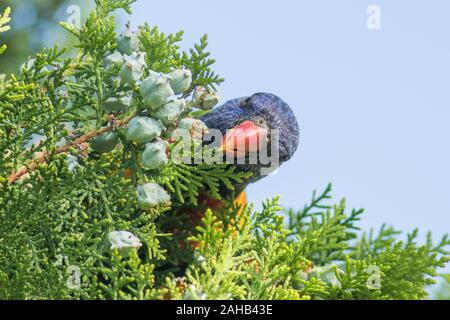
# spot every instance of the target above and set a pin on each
(150, 195)
(196, 128)
(106, 142)
(128, 42)
(180, 80)
(204, 99)
(155, 90)
(123, 240)
(171, 111)
(155, 155)
(144, 129)
(115, 59)
(133, 68)
(116, 104)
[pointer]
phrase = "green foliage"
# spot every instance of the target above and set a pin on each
(186, 182)
(199, 62)
(27, 38)
(163, 54)
(254, 255)
(104, 8)
(60, 200)
(443, 291)
(4, 20)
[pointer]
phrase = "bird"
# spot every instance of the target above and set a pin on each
(239, 120)
(255, 117)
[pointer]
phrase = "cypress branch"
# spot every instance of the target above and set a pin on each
(62, 229)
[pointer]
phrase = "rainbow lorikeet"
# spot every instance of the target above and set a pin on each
(254, 118)
(240, 120)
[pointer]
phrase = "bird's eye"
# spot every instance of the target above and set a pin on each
(261, 122)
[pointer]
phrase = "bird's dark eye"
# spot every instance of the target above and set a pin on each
(260, 121)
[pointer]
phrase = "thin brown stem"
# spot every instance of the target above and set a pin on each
(77, 142)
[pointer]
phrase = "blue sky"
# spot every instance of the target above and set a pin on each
(373, 105)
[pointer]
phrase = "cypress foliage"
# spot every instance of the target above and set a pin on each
(62, 205)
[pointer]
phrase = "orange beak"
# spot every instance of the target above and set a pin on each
(243, 139)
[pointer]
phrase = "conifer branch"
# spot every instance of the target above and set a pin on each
(4, 20)
(109, 227)
(73, 144)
